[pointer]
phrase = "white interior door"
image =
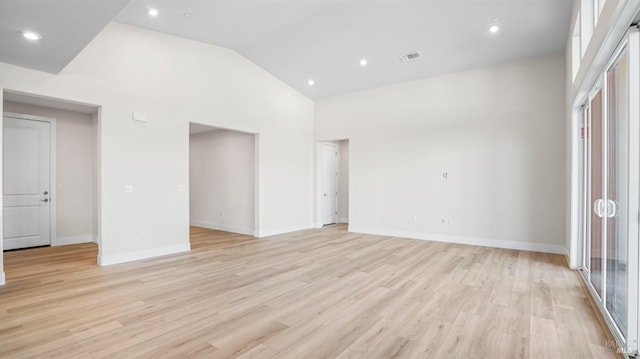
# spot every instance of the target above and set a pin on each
(330, 183)
(26, 176)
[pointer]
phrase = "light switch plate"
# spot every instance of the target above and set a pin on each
(128, 188)
(181, 188)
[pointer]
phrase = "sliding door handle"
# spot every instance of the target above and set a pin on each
(612, 208)
(597, 207)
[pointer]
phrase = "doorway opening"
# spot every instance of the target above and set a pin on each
(334, 182)
(222, 179)
(50, 173)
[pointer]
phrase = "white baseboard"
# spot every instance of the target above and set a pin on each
(143, 254)
(339, 221)
(225, 228)
(63, 241)
(2, 278)
(275, 232)
(496, 243)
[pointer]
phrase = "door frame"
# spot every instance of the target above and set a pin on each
(631, 44)
(53, 200)
(323, 178)
(318, 180)
(256, 178)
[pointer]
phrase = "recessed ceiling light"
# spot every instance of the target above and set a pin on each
(363, 62)
(31, 35)
(186, 14)
(311, 82)
(494, 28)
(153, 12)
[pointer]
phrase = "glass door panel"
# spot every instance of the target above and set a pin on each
(596, 199)
(616, 207)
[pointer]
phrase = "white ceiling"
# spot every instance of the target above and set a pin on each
(325, 39)
(296, 40)
(66, 27)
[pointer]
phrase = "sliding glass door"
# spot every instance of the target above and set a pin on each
(610, 183)
(615, 209)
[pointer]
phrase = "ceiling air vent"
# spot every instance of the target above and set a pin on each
(411, 56)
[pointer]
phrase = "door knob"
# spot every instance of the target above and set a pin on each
(45, 193)
(324, 194)
(45, 200)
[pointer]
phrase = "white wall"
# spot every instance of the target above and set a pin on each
(75, 195)
(222, 181)
(126, 69)
(499, 133)
(343, 181)
(2, 276)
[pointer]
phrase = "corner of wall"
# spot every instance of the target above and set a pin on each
(2, 278)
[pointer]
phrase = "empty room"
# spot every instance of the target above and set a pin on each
(320, 179)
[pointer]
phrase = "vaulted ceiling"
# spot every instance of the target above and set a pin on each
(302, 40)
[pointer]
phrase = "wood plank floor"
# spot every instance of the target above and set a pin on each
(310, 294)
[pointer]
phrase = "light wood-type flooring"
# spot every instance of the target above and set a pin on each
(321, 293)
